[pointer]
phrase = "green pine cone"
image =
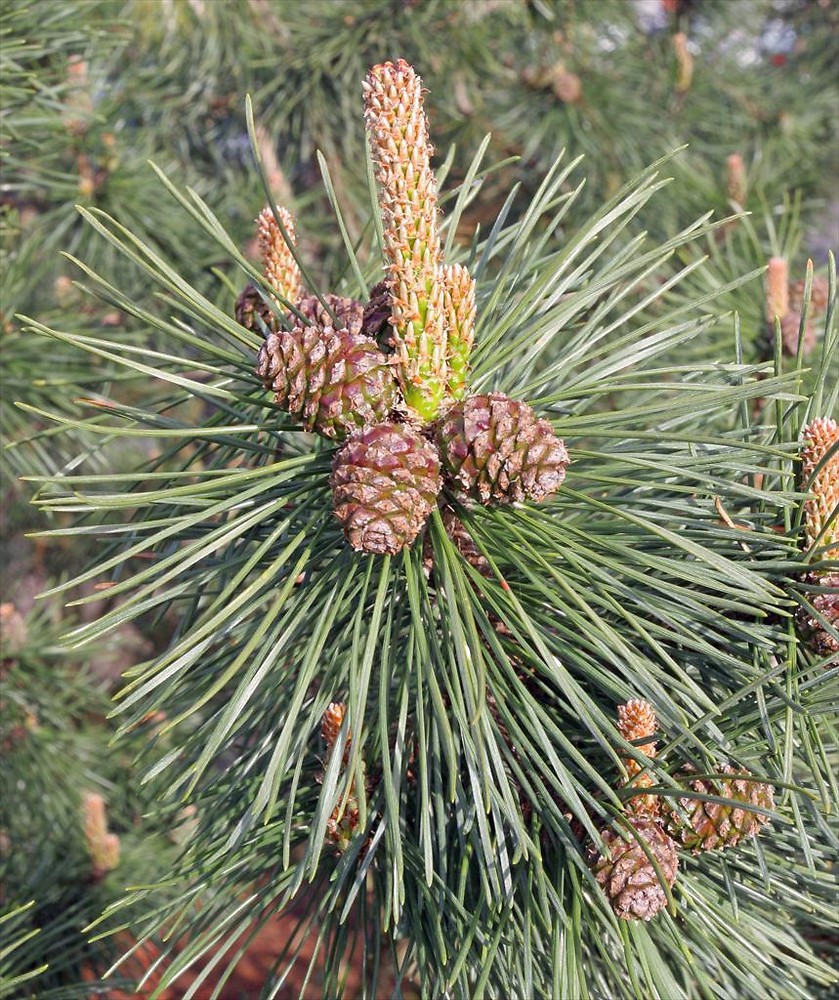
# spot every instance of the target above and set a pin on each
(707, 826)
(385, 482)
(496, 449)
(335, 381)
(630, 881)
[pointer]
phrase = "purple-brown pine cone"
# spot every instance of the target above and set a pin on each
(812, 629)
(251, 304)
(334, 381)
(496, 449)
(385, 482)
(348, 312)
(628, 877)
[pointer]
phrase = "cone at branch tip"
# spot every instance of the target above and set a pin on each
(334, 381)
(702, 825)
(397, 130)
(737, 185)
(812, 628)
(777, 289)
(385, 482)
(495, 449)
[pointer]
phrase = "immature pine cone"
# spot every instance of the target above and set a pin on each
(820, 436)
(334, 381)
(628, 878)
(497, 450)
(819, 294)
(250, 305)
(348, 312)
(636, 721)
(791, 334)
(385, 482)
(710, 825)
(815, 634)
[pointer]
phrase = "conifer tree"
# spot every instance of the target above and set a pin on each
(486, 537)
(401, 647)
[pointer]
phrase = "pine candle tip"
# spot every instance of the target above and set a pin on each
(13, 630)
(737, 185)
(331, 723)
(636, 720)
(684, 62)
(777, 288)
(95, 822)
(397, 132)
(103, 846)
(279, 266)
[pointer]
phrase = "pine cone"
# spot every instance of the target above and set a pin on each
(496, 449)
(813, 631)
(349, 313)
(790, 334)
(710, 825)
(377, 314)
(628, 878)
(335, 381)
(251, 304)
(819, 295)
(385, 482)
(464, 543)
(820, 435)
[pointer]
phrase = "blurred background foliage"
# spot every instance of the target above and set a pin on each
(93, 89)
